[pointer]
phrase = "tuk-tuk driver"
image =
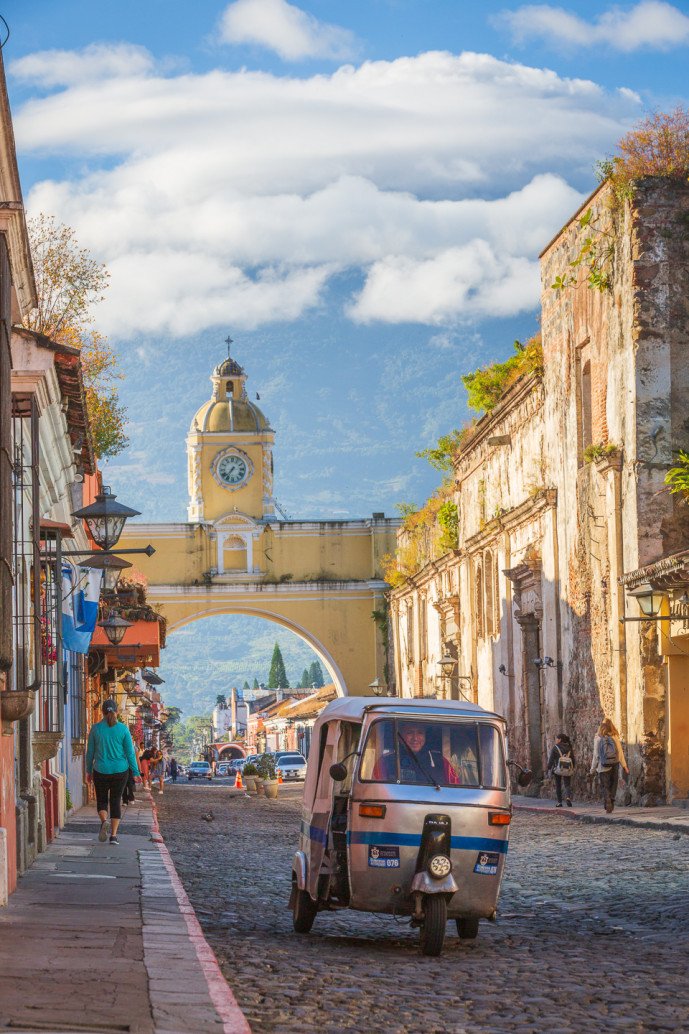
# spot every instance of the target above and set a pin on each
(415, 756)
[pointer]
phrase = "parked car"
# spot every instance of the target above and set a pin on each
(199, 770)
(221, 768)
(290, 765)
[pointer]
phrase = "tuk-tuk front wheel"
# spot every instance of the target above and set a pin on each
(303, 911)
(467, 929)
(434, 924)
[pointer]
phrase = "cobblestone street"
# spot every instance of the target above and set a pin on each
(592, 932)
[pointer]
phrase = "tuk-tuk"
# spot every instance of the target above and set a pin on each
(406, 811)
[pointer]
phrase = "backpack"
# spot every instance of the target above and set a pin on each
(565, 765)
(607, 752)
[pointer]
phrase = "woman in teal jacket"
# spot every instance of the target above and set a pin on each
(110, 756)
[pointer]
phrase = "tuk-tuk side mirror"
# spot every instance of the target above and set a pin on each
(338, 772)
(525, 776)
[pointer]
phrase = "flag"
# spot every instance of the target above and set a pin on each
(80, 595)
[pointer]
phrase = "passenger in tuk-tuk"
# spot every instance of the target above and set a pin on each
(416, 759)
(427, 754)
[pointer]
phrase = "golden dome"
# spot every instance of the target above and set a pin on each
(230, 414)
(229, 410)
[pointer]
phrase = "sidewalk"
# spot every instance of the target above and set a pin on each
(666, 817)
(103, 940)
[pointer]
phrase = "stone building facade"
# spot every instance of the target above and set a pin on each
(560, 492)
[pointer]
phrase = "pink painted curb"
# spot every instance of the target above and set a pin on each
(233, 1019)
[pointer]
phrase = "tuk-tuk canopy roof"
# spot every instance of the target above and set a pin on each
(352, 709)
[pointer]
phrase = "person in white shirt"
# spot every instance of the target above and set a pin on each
(606, 761)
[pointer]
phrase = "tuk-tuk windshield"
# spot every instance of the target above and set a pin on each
(446, 753)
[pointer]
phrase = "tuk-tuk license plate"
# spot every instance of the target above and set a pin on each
(384, 857)
(487, 863)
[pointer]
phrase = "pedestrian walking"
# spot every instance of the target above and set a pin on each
(561, 764)
(158, 770)
(606, 761)
(174, 771)
(145, 765)
(110, 757)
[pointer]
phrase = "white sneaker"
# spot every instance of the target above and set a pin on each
(104, 830)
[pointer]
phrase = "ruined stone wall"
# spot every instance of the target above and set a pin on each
(617, 377)
(572, 497)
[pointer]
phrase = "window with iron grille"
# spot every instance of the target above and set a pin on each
(410, 634)
(26, 560)
(6, 461)
(51, 709)
(76, 663)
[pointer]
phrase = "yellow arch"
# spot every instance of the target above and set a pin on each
(278, 619)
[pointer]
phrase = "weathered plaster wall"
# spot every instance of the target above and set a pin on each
(563, 525)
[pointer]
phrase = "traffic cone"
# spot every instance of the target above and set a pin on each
(279, 779)
(238, 785)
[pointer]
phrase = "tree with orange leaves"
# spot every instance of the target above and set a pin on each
(657, 146)
(68, 283)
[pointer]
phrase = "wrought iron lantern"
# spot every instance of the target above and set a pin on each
(111, 566)
(128, 683)
(105, 518)
(115, 627)
(649, 599)
(447, 664)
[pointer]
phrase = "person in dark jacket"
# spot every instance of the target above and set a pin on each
(174, 771)
(560, 763)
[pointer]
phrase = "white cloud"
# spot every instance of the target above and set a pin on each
(474, 280)
(97, 61)
(291, 33)
(237, 196)
(652, 25)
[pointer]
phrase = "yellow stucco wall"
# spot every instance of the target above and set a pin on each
(318, 579)
(321, 579)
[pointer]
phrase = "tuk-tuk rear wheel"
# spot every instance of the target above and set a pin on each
(434, 924)
(304, 911)
(467, 929)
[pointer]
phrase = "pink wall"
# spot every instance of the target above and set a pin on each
(7, 807)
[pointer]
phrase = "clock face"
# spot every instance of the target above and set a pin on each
(232, 469)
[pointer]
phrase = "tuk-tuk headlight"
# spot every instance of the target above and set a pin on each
(439, 866)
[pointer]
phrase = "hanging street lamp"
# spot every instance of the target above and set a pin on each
(111, 566)
(377, 686)
(128, 683)
(115, 627)
(105, 518)
(650, 601)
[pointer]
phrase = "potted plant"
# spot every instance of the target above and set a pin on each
(249, 774)
(269, 777)
(266, 769)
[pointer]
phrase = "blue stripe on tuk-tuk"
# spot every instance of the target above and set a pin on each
(414, 840)
(314, 833)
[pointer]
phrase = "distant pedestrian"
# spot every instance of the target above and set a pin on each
(110, 757)
(145, 765)
(158, 770)
(561, 764)
(173, 770)
(607, 757)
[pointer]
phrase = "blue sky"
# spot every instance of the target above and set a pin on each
(358, 192)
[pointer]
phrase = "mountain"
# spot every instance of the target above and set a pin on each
(209, 656)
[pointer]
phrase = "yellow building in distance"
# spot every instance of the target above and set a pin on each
(320, 579)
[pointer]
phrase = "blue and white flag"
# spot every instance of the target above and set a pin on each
(80, 595)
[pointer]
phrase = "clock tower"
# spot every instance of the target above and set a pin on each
(230, 454)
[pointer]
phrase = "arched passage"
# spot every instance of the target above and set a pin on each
(279, 619)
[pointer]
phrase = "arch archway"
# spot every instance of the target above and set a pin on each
(279, 619)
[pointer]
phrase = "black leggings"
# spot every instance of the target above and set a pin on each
(110, 786)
